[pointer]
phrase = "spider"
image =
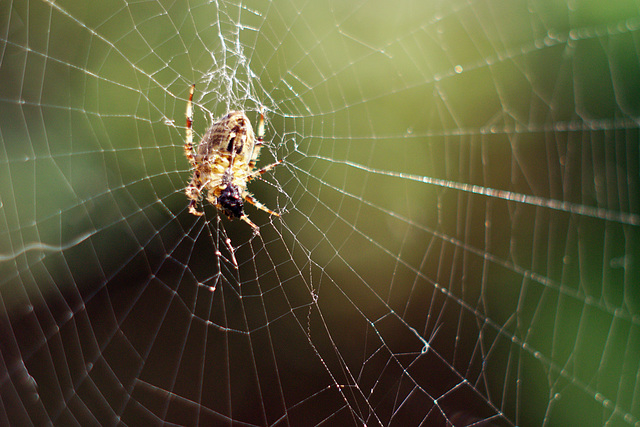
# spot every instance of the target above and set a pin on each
(224, 163)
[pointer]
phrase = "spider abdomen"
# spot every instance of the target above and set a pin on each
(231, 134)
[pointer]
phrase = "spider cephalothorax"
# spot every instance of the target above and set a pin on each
(230, 202)
(225, 163)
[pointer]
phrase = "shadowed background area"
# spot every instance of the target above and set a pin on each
(460, 214)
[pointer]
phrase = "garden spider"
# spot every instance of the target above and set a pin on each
(224, 163)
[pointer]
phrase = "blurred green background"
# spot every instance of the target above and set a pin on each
(465, 174)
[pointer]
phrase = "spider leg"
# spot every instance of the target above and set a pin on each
(196, 186)
(193, 192)
(246, 219)
(256, 174)
(249, 198)
(260, 132)
(193, 210)
(258, 144)
(188, 145)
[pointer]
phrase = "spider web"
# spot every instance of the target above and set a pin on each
(459, 200)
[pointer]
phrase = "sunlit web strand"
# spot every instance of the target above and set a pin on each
(94, 33)
(524, 272)
(558, 205)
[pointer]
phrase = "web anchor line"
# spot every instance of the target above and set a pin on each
(558, 205)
